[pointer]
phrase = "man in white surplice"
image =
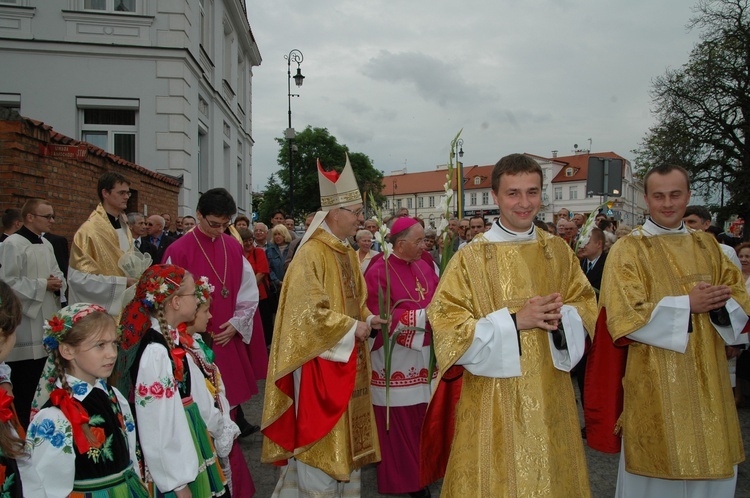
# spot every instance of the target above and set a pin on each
(29, 267)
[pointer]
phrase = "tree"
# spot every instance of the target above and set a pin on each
(703, 108)
(311, 144)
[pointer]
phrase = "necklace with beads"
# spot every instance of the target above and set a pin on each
(224, 290)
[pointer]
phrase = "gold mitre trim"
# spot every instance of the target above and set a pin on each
(338, 190)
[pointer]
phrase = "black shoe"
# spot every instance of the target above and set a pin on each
(248, 430)
(422, 493)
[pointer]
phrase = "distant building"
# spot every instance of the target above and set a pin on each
(563, 186)
(165, 85)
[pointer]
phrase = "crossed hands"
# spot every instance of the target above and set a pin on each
(540, 312)
(705, 297)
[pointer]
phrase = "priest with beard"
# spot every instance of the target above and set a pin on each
(412, 283)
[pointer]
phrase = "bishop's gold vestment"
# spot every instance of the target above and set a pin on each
(517, 436)
(323, 295)
(679, 420)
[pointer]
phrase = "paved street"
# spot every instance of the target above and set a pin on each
(602, 467)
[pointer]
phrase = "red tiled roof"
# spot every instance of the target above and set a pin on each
(96, 151)
(433, 181)
(580, 163)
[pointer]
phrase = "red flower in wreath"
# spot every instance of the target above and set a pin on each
(157, 390)
(56, 325)
(152, 286)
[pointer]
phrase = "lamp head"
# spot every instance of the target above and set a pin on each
(298, 78)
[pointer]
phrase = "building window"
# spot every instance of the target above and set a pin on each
(202, 160)
(431, 201)
(398, 203)
(477, 180)
(205, 25)
(408, 203)
(420, 202)
(113, 130)
(544, 174)
(110, 5)
(473, 199)
(485, 198)
(569, 172)
(573, 193)
(558, 193)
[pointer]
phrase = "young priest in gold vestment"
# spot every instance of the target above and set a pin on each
(674, 299)
(513, 308)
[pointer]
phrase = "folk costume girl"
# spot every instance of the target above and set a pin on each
(214, 409)
(178, 453)
(11, 433)
(82, 441)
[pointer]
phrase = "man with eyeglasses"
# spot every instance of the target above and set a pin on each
(413, 282)
(209, 252)
(94, 275)
(319, 366)
(29, 267)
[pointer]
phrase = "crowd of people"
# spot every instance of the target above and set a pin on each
(125, 362)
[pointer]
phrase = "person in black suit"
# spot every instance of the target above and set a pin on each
(157, 236)
(592, 263)
(137, 224)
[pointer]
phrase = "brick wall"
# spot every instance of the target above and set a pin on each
(29, 169)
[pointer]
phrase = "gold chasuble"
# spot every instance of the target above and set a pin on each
(679, 420)
(332, 427)
(516, 436)
(96, 246)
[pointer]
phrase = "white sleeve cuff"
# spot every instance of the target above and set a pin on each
(668, 326)
(494, 350)
(738, 318)
(575, 338)
(342, 351)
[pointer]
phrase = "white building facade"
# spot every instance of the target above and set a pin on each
(166, 84)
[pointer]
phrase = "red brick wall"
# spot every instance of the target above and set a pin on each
(69, 184)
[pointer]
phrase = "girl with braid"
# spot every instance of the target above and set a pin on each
(81, 443)
(11, 433)
(178, 453)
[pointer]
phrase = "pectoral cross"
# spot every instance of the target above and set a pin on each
(420, 290)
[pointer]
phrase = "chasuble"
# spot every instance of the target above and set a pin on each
(317, 408)
(679, 420)
(516, 433)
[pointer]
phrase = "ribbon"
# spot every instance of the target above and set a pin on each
(178, 354)
(76, 415)
(6, 406)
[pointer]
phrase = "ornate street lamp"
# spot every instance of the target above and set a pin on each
(293, 56)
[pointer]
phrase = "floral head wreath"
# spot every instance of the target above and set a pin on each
(203, 290)
(55, 330)
(57, 327)
(156, 284)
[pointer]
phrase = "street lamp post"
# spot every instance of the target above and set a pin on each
(393, 200)
(460, 178)
(293, 56)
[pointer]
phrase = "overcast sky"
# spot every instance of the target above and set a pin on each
(397, 79)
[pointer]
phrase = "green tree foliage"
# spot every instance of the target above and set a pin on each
(311, 144)
(703, 108)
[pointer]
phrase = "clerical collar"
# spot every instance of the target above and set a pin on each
(653, 228)
(115, 220)
(499, 233)
(325, 227)
(29, 235)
